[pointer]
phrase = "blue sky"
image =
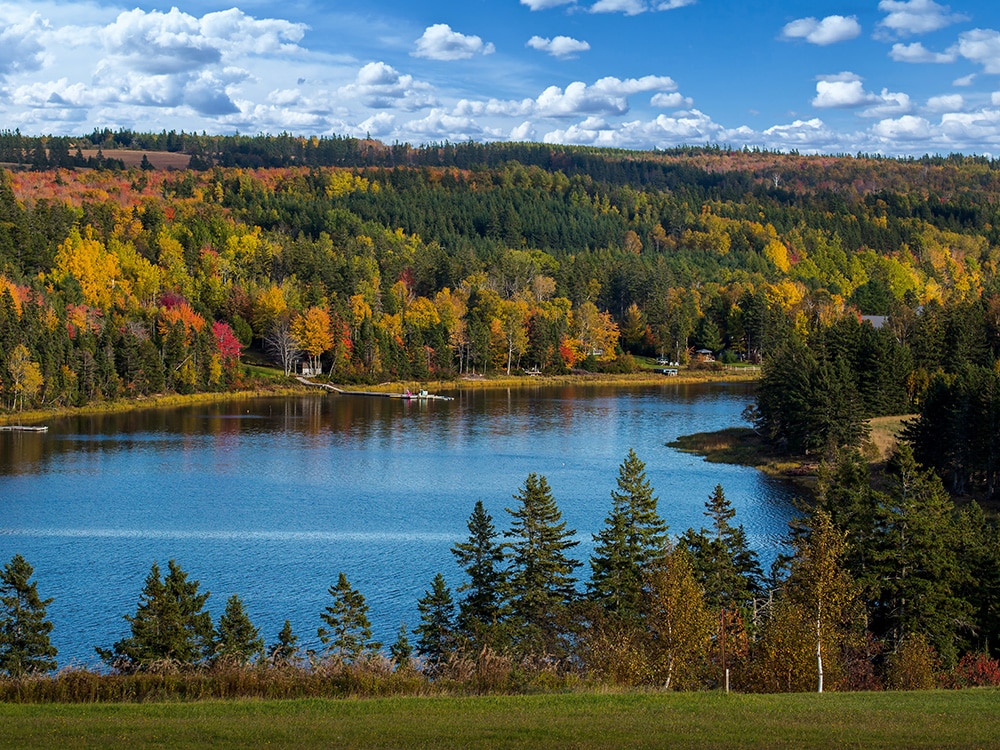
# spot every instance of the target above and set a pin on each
(880, 76)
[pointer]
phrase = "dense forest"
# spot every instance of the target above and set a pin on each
(862, 286)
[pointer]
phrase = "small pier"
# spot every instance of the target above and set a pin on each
(23, 428)
(406, 396)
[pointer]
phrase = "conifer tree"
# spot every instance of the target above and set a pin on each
(401, 651)
(284, 650)
(482, 559)
(169, 625)
(350, 632)
(541, 581)
(633, 537)
(237, 640)
(722, 560)
(24, 632)
(436, 632)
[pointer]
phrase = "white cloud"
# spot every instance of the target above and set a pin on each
(964, 80)
(995, 98)
(672, 100)
(606, 96)
(545, 4)
(439, 42)
(523, 132)
(908, 17)
(946, 103)
(889, 104)
(917, 53)
(830, 30)
(905, 128)
(635, 7)
(378, 125)
(20, 49)
(380, 86)
(981, 46)
(841, 91)
(560, 46)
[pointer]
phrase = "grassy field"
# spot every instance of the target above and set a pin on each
(939, 719)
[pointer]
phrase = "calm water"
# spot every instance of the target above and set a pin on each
(271, 498)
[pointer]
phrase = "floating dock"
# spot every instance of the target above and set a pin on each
(407, 396)
(23, 428)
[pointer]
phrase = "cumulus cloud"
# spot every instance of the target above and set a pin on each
(905, 128)
(889, 104)
(606, 96)
(380, 86)
(673, 100)
(635, 7)
(917, 53)
(846, 91)
(20, 50)
(946, 103)
(439, 42)
(830, 30)
(911, 17)
(964, 80)
(560, 46)
(981, 46)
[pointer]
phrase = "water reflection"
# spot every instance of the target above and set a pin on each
(271, 498)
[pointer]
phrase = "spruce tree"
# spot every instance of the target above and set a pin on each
(401, 651)
(482, 559)
(633, 537)
(350, 632)
(436, 632)
(284, 650)
(237, 641)
(24, 632)
(169, 625)
(541, 575)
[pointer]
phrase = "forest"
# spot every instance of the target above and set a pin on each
(862, 286)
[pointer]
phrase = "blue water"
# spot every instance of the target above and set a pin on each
(272, 498)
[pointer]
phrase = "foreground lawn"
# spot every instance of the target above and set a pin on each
(965, 719)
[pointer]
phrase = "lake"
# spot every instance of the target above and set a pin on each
(271, 498)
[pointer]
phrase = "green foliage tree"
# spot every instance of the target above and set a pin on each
(401, 651)
(25, 647)
(169, 626)
(349, 634)
(237, 641)
(285, 649)
(541, 583)
(481, 557)
(634, 535)
(436, 631)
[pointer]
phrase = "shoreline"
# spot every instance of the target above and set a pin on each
(292, 388)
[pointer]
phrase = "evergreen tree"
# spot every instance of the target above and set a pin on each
(284, 650)
(722, 560)
(541, 581)
(236, 639)
(401, 651)
(436, 632)
(169, 624)
(24, 632)
(481, 557)
(350, 632)
(633, 537)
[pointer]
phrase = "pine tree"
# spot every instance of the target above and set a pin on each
(482, 559)
(541, 581)
(349, 636)
(237, 641)
(169, 624)
(284, 650)
(24, 632)
(633, 537)
(436, 632)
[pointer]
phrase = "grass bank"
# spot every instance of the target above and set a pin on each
(937, 719)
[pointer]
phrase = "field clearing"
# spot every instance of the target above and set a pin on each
(937, 719)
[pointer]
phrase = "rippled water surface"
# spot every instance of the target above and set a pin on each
(271, 498)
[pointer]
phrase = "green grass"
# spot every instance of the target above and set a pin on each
(961, 719)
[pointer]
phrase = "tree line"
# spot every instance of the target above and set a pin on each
(885, 585)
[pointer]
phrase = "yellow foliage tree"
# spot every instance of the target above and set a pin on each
(85, 258)
(25, 376)
(313, 335)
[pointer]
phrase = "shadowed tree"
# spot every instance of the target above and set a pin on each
(481, 557)
(436, 631)
(350, 632)
(237, 641)
(24, 632)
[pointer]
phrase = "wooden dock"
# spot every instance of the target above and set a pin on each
(407, 396)
(23, 428)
